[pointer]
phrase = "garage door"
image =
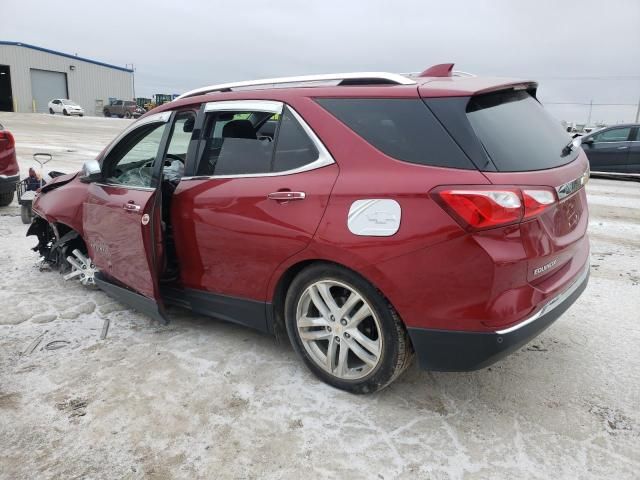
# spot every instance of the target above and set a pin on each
(47, 85)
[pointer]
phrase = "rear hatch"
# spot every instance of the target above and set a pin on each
(538, 175)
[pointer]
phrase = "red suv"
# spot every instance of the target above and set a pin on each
(366, 216)
(9, 171)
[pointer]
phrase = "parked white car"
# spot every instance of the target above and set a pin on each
(66, 107)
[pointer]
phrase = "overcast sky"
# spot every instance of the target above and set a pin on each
(579, 51)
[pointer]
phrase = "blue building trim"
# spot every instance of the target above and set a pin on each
(62, 54)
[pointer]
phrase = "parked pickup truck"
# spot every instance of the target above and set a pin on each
(123, 109)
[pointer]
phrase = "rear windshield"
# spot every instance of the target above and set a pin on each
(403, 128)
(517, 133)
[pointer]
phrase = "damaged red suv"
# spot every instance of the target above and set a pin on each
(367, 216)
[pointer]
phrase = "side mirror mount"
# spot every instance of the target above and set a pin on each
(587, 141)
(90, 172)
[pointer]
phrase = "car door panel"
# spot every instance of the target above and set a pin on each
(230, 236)
(116, 237)
(633, 160)
(608, 156)
(608, 150)
(122, 217)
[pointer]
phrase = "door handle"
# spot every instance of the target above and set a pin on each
(131, 207)
(285, 196)
(622, 148)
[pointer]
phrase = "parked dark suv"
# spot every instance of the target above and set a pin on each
(366, 216)
(614, 149)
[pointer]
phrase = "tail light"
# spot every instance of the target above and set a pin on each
(6, 140)
(480, 208)
(536, 201)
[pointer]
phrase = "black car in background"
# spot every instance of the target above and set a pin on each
(614, 149)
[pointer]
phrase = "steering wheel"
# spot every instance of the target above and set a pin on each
(166, 164)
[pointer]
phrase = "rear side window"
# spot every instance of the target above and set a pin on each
(248, 142)
(294, 149)
(232, 146)
(401, 128)
(517, 133)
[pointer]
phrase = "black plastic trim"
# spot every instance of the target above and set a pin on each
(458, 351)
(250, 313)
(135, 300)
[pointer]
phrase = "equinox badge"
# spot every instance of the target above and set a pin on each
(544, 268)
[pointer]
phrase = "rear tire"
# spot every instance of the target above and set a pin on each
(65, 113)
(378, 348)
(26, 214)
(107, 114)
(51, 111)
(6, 198)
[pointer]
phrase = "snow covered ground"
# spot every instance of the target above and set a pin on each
(201, 398)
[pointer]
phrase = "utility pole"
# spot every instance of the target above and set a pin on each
(590, 110)
(133, 79)
(638, 112)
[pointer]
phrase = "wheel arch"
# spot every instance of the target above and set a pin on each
(275, 315)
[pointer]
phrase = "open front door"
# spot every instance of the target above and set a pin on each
(122, 217)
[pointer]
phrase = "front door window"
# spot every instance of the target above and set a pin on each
(130, 163)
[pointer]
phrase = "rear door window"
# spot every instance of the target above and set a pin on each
(248, 142)
(403, 128)
(612, 135)
(517, 133)
(232, 146)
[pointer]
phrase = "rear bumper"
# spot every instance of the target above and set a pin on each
(8, 182)
(447, 350)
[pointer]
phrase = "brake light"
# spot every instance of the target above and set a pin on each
(480, 208)
(6, 140)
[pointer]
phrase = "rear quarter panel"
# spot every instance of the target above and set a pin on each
(367, 173)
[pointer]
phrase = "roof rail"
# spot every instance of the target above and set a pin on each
(346, 78)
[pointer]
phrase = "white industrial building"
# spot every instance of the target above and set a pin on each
(31, 76)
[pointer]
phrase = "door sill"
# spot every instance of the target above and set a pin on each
(136, 301)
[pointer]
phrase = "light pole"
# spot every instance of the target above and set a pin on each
(133, 78)
(590, 109)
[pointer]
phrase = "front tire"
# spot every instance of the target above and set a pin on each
(65, 113)
(127, 115)
(346, 332)
(107, 114)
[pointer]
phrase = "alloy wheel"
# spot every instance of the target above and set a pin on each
(82, 268)
(339, 329)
